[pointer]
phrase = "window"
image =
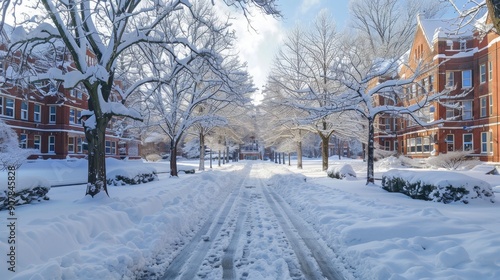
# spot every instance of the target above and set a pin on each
(72, 116)
(412, 145)
(418, 141)
(482, 110)
(431, 83)
(452, 111)
(430, 113)
(387, 145)
(466, 78)
(482, 73)
(72, 92)
(52, 144)
(108, 147)
(396, 148)
(23, 141)
(463, 45)
(24, 110)
(468, 145)
(71, 144)
(1, 105)
(37, 141)
(36, 113)
(387, 124)
(450, 142)
(9, 107)
(490, 70)
(450, 79)
(486, 142)
(79, 145)
(78, 116)
(490, 103)
(467, 110)
(52, 114)
(113, 148)
(427, 144)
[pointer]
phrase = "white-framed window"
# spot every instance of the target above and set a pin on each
(108, 147)
(412, 145)
(79, 145)
(483, 108)
(466, 78)
(452, 111)
(72, 115)
(490, 104)
(450, 79)
(78, 117)
(71, 144)
(387, 124)
(9, 107)
(450, 142)
(418, 144)
(52, 114)
(486, 142)
(24, 110)
(37, 142)
(427, 144)
(490, 70)
(72, 92)
(52, 144)
(113, 148)
(23, 141)
(37, 109)
(396, 146)
(463, 45)
(467, 110)
(468, 144)
(482, 73)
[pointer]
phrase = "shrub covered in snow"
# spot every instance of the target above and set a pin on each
(28, 190)
(438, 186)
(344, 171)
(454, 160)
(122, 176)
(10, 152)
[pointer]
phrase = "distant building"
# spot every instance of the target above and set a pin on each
(46, 116)
(460, 61)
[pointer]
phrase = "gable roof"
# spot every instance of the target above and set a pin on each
(444, 28)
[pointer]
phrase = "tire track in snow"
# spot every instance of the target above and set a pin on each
(310, 252)
(186, 264)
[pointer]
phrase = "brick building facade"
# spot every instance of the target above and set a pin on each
(50, 123)
(465, 64)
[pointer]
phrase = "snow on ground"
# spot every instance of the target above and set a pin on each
(376, 234)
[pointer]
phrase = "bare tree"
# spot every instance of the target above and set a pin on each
(388, 26)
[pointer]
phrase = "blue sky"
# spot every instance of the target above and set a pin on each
(304, 11)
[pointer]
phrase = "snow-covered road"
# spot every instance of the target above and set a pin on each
(254, 235)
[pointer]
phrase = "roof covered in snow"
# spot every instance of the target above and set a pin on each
(444, 28)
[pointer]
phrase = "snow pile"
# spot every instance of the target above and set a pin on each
(438, 186)
(381, 235)
(343, 171)
(27, 190)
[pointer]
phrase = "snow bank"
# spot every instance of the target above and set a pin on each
(439, 186)
(27, 190)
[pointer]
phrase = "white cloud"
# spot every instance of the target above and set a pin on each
(308, 4)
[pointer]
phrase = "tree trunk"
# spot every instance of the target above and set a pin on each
(289, 162)
(370, 177)
(284, 160)
(324, 151)
(227, 154)
(173, 159)
(299, 155)
(210, 158)
(96, 181)
(201, 166)
(279, 158)
(339, 148)
(219, 157)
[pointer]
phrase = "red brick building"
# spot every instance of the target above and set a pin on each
(466, 64)
(50, 123)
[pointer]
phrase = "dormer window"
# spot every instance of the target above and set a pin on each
(463, 45)
(449, 44)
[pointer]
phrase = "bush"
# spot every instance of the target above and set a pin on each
(438, 186)
(122, 177)
(344, 171)
(28, 190)
(454, 160)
